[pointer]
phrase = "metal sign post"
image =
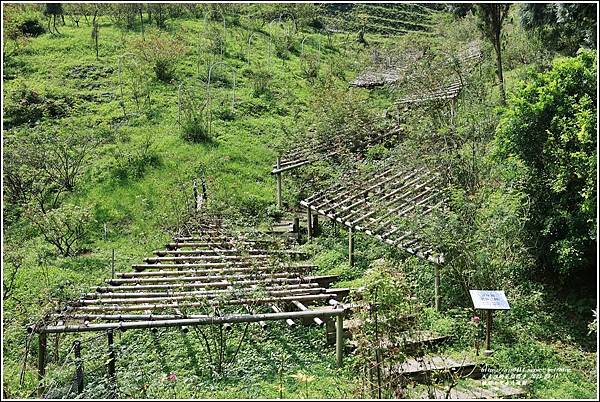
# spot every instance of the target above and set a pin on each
(489, 300)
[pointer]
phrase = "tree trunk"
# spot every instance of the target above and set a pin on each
(498, 48)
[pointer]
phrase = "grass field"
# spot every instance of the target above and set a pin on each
(138, 180)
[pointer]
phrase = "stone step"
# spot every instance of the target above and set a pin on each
(436, 369)
(482, 389)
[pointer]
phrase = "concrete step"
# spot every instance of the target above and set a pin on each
(435, 369)
(477, 389)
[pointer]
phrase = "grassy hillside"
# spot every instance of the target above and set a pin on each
(137, 212)
(270, 84)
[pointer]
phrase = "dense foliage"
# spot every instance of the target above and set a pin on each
(104, 136)
(563, 26)
(550, 127)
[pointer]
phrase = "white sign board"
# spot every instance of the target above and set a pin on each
(489, 299)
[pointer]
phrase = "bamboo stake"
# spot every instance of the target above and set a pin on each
(350, 247)
(278, 177)
(339, 339)
(42, 342)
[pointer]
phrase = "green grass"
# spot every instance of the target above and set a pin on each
(139, 214)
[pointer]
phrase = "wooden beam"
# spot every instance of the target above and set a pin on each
(284, 286)
(302, 307)
(323, 312)
(205, 303)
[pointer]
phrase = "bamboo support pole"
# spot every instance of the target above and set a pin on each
(111, 369)
(315, 223)
(321, 280)
(308, 223)
(203, 278)
(193, 321)
(278, 177)
(140, 300)
(42, 344)
(296, 268)
(240, 252)
(227, 265)
(168, 293)
(302, 307)
(437, 287)
(208, 258)
(78, 366)
(351, 246)
(204, 303)
(291, 323)
(339, 339)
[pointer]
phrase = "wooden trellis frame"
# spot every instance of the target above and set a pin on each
(196, 276)
(321, 150)
(374, 204)
(396, 69)
(441, 93)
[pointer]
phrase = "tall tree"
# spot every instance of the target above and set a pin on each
(491, 17)
(52, 10)
(564, 27)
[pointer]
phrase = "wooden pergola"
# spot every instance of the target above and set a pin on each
(380, 205)
(206, 278)
(322, 149)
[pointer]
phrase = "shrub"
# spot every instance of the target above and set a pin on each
(28, 106)
(193, 115)
(216, 41)
(310, 64)
(161, 53)
(550, 127)
(31, 26)
(18, 23)
(261, 81)
(67, 228)
(135, 161)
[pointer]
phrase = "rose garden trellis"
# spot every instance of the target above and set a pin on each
(391, 204)
(375, 204)
(210, 277)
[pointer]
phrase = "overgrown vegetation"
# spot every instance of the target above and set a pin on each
(104, 135)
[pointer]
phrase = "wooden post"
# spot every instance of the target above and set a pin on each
(452, 111)
(437, 287)
(41, 362)
(315, 222)
(56, 347)
(196, 206)
(308, 223)
(112, 264)
(350, 247)
(488, 334)
(296, 226)
(339, 340)
(278, 177)
(78, 366)
(111, 356)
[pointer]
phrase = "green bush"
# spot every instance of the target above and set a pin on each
(28, 106)
(135, 161)
(261, 81)
(550, 127)
(20, 23)
(161, 52)
(67, 228)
